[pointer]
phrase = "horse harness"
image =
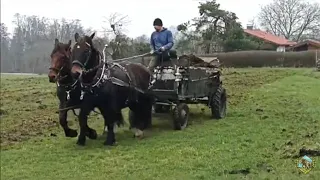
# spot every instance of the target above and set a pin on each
(67, 88)
(105, 76)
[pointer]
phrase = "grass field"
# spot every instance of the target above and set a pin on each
(272, 114)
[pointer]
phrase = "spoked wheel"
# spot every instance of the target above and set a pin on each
(219, 103)
(180, 116)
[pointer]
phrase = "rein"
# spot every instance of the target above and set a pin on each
(73, 109)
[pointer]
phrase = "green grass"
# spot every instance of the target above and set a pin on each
(272, 114)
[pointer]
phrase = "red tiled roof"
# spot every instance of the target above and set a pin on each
(308, 41)
(270, 37)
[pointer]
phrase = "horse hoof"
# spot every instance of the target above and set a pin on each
(107, 143)
(139, 134)
(140, 137)
(71, 133)
(92, 134)
(81, 143)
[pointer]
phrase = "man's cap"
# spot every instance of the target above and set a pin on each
(157, 22)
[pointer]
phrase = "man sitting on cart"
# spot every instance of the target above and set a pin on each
(161, 43)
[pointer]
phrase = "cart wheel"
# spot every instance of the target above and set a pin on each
(180, 116)
(161, 108)
(219, 103)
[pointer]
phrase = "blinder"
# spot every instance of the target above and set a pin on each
(88, 54)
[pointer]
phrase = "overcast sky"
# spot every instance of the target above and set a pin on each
(141, 12)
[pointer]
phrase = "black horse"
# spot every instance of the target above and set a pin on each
(110, 87)
(68, 89)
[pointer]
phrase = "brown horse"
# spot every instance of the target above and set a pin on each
(68, 91)
(114, 87)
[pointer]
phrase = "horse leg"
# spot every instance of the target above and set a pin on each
(64, 123)
(83, 123)
(144, 107)
(119, 122)
(147, 112)
(142, 115)
(91, 133)
(119, 119)
(109, 121)
(136, 118)
(105, 129)
(148, 116)
(110, 138)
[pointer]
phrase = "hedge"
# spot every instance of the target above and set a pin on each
(266, 59)
(257, 59)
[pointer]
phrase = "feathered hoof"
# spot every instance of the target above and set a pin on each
(81, 142)
(71, 133)
(139, 134)
(111, 143)
(92, 134)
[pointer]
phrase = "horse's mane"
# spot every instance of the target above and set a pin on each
(98, 53)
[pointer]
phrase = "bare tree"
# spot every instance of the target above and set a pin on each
(290, 18)
(116, 24)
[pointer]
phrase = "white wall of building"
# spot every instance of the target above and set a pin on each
(281, 49)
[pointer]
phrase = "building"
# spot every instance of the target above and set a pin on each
(306, 45)
(279, 43)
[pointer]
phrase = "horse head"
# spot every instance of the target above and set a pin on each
(84, 54)
(60, 64)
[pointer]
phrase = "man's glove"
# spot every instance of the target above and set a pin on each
(162, 49)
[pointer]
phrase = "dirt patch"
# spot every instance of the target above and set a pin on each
(245, 171)
(264, 167)
(25, 130)
(3, 112)
(308, 152)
